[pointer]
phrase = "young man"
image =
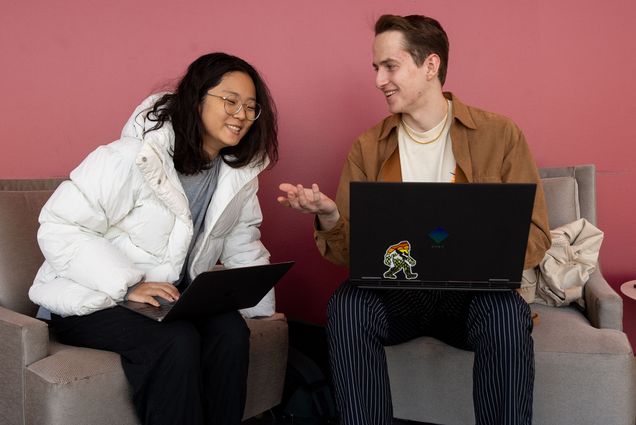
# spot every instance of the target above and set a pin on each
(430, 136)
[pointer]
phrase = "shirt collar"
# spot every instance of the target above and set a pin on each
(460, 112)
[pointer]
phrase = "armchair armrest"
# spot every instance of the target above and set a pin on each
(604, 307)
(24, 340)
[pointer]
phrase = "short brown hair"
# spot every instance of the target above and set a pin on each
(423, 36)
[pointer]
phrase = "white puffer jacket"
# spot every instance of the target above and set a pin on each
(123, 217)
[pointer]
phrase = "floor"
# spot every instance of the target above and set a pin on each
(268, 419)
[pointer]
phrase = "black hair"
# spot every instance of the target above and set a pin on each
(182, 109)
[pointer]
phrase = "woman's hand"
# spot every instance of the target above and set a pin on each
(146, 291)
(310, 201)
(276, 316)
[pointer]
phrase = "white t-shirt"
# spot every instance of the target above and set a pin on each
(424, 161)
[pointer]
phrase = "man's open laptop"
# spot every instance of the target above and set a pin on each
(216, 291)
(439, 235)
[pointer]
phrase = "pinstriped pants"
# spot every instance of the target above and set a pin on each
(497, 326)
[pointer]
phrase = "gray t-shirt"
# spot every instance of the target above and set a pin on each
(199, 189)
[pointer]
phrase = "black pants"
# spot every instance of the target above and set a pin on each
(497, 326)
(182, 372)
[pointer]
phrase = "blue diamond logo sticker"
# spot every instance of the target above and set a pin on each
(438, 235)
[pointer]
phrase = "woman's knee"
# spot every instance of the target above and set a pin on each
(229, 328)
(167, 352)
(182, 341)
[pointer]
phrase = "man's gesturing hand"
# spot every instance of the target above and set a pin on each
(310, 201)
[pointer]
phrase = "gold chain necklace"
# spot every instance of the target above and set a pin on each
(414, 138)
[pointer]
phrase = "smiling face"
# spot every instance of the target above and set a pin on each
(405, 85)
(223, 130)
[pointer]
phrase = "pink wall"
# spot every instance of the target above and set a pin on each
(563, 70)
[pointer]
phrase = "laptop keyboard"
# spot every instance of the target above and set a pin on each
(156, 313)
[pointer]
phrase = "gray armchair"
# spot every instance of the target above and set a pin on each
(49, 383)
(585, 371)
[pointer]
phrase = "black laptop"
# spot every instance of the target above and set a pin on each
(439, 235)
(216, 291)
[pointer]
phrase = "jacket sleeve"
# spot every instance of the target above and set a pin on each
(76, 217)
(519, 167)
(333, 244)
(243, 246)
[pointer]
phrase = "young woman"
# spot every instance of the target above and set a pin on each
(141, 217)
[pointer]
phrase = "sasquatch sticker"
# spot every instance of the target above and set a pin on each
(398, 258)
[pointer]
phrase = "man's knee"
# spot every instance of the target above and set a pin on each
(346, 300)
(515, 310)
(502, 315)
(506, 305)
(354, 308)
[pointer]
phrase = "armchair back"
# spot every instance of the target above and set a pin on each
(20, 257)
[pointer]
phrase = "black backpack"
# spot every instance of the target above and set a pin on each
(307, 395)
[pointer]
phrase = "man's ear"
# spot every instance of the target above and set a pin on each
(431, 65)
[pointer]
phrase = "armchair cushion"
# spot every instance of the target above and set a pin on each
(91, 381)
(568, 327)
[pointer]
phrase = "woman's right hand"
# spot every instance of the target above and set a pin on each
(146, 291)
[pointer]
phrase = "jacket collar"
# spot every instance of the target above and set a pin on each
(460, 113)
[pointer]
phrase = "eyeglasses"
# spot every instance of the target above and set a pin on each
(233, 106)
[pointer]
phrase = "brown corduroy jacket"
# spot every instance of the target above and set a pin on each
(488, 148)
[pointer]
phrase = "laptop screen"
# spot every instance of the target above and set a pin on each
(439, 232)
